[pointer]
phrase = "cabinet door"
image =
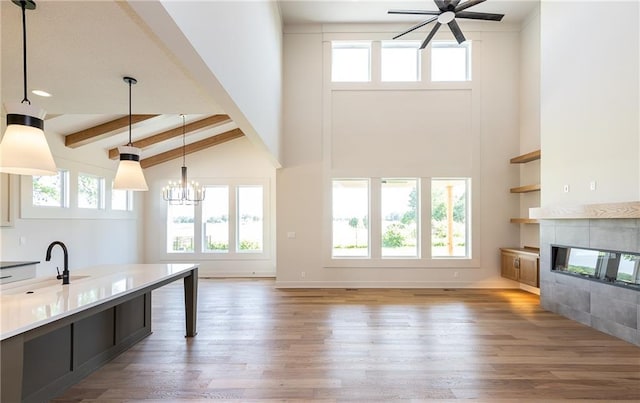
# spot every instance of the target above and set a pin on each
(529, 270)
(509, 267)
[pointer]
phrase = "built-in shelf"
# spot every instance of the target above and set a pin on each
(522, 159)
(528, 157)
(523, 221)
(526, 188)
(587, 211)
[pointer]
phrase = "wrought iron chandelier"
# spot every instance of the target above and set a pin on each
(183, 192)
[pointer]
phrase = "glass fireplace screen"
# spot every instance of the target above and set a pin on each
(616, 267)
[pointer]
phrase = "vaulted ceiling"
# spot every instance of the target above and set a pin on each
(80, 51)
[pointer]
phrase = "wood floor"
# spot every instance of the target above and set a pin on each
(257, 343)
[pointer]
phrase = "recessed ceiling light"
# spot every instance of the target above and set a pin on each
(41, 93)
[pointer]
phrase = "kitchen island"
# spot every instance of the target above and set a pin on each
(53, 335)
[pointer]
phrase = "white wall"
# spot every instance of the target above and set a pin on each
(590, 101)
(529, 122)
(233, 49)
(238, 159)
(89, 241)
(322, 126)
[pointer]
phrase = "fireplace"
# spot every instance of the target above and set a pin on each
(589, 272)
(618, 268)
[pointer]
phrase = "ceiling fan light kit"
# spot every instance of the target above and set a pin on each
(448, 11)
(129, 175)
(24, 149)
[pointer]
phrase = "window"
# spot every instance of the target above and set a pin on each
(180, 228)
(51, 191)
(449, 217)
(121, 200)
(350, 217)
(350, 61)
(399, 208)
(215, 219)
(400, 61)
(90, 191)
(450, 61)
(250, 219)
(231, 222)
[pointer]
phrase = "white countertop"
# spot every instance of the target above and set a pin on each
(50, 300)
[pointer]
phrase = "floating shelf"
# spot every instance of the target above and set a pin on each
(523, 221)
(521, 159)
(526, 188)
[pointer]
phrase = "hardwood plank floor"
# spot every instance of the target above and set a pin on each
(258, 343)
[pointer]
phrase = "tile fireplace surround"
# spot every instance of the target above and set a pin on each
(606, 307)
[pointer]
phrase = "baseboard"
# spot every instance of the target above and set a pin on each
(385, 284)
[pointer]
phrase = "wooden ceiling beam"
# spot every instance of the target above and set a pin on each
(210, 121)
(191, 148)
(96, 133)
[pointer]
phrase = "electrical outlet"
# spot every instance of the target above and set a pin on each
(565, 188)
(455, 274)
(592, 185)
(303, 274)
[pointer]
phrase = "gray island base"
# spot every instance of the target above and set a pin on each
(41, 362)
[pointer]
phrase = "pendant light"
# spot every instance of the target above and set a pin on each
(183, 192)
(24, 149)
(129, 175)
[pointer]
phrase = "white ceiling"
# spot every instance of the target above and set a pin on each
(375, 11)
(79, 51)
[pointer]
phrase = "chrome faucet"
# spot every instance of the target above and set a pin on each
(65, 272)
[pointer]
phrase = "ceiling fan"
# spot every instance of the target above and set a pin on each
(448, 11)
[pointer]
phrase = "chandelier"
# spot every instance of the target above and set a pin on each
(183, 192)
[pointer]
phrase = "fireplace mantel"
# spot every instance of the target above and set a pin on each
(587, 211)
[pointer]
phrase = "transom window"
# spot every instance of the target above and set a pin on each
(350, 61)
(400, 61)
(450, 61)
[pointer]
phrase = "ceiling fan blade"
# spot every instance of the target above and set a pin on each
(451, 4)
(441, 4)
(430, 36)
(413, 28)
(455, 29)
(419, 12)
(467, 4)
(479, 16)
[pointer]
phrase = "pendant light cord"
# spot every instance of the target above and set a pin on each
(184, 147)
(23, 5)
(130, 143)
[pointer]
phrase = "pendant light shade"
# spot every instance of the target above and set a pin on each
(24, 149)
(129, 175)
